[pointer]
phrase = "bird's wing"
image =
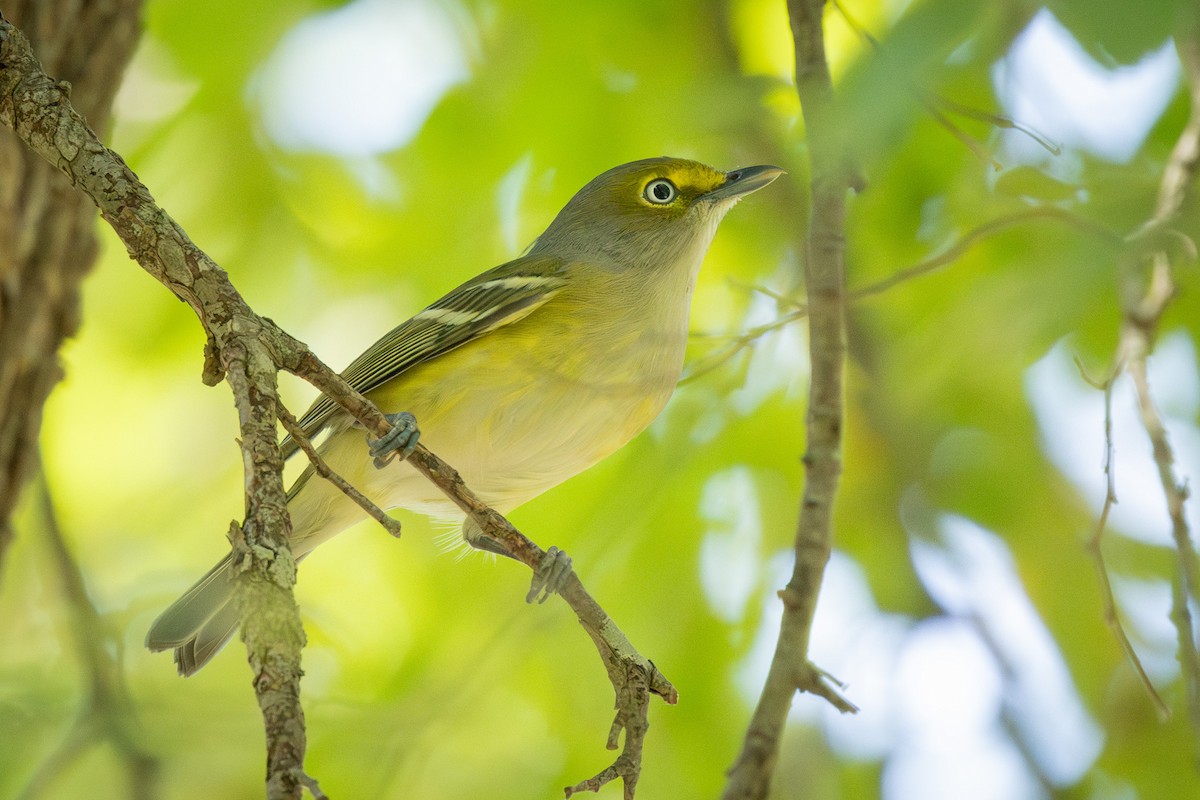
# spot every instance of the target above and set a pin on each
(496, 298)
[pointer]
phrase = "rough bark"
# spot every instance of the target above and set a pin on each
(47, 243)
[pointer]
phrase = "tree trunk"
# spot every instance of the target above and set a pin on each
(47, 239)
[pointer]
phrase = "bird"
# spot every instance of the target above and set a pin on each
(520, 378)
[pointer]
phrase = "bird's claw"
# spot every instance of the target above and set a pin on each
(550, 576)
(400, 441)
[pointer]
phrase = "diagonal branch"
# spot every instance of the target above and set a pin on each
(292, 426)
(633, 677)
(247, 350)
(948, 255)
(39, 111)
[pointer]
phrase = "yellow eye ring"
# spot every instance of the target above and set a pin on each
(660, 192)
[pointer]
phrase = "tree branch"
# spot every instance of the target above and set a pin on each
(1147, 288)
(39, 111)
(247, 350)
(108, 711)
(948, 255)
(292, 426)
(824, 273)
(1094, 543)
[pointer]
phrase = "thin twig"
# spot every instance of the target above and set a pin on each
(739, 342)
(976, 147)
(79, 738)
(937, 105)
(633, 677)
(1093, 544)
(978, 234)
(944, 258)
(1185, 584)
(854, 24)
(1001, 121)
(292, 426)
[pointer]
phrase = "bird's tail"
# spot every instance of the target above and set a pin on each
(200, 622)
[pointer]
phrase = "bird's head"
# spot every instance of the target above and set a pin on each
(647, 212)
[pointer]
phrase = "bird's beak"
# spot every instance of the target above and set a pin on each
(743, 181)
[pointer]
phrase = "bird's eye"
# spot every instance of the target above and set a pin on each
(660, 191)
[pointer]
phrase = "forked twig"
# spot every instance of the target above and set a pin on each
(1147, 288)
(248, 350)
(947, 256)
(292, 426)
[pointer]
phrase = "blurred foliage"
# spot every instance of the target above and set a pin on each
(426, 675)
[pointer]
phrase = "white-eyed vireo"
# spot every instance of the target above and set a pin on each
(520, 378)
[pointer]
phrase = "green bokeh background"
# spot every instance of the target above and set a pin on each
(426, 674)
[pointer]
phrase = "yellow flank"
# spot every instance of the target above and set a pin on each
(511, 443)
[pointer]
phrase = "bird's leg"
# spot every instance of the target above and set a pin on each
(551, 573)
(400, 441)
(555, 567)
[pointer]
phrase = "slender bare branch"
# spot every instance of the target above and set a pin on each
(790, 668)
(1147, 288)
(739, 342)
(292, 426)
(77, 740)
(1094, 543)
(947, 256)
(935, 101)
(938, 106)
(977, 234)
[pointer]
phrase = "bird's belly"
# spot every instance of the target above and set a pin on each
(534, 443)
(532, 427)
